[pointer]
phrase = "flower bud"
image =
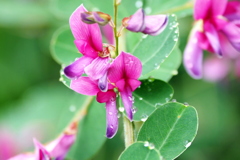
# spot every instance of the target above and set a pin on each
(95, 17)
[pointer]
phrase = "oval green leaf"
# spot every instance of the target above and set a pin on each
(140, 151)
(171, 128)
(151, 94)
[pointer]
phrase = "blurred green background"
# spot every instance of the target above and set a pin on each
(32, 99)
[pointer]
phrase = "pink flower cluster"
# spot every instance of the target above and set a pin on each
(217, 30)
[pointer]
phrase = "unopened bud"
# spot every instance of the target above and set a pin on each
(95, 17)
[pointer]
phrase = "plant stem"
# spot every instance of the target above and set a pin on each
(128, 131)
(115, 6)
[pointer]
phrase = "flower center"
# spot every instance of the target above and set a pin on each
(108, 51)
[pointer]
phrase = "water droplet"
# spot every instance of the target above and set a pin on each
(188, 144)
(151, 146)
(156, 66)
(95, 9)
(151, 79)
(186, 104)
(72, 108)
(139, 86)
(157, 104)
(76, 59)
(171, 95)
(173, 15)
(148, 10)
(176, 31)
(119, 115)
(140, 98)
(121, 109)
(62, 72)
(138, 4)
(174, 100)
(144, 36)
(175, 37)
(110, 113)
(144, 117)
(61, 79)
(134, 110)
(167, 99)
(174, 72)
(111, 126)
(146, 144)
(166, 56)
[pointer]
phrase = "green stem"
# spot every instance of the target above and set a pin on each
(128, 131)
(115, 23)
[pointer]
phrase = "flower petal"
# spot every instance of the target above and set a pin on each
(59, 147)
(26, 156)
(85, 48)
(232, 11)
(112, 117)
(97, 68)
(127, 100)
(201, 9)
(155, 24)
(103, 97)
(192, 57)
(232, 31)
(87, 32)
(41, 152)
(76, 69)
(136, 21)
(125, 66)
(84, 85)
(133, 83)
(103, 83)
(213, 38)
(108, 33)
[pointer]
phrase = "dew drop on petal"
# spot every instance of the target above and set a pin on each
(110, 113)
(138, 4)
(144, 117)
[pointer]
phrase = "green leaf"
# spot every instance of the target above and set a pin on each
(168, 68)
(62, 46)
(140, 151)
(91, 133)
(171, 128)
(153, 50)
(150, 96)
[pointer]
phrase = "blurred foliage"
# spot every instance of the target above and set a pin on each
(30, 90)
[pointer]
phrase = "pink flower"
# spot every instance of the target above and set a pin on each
(122, 75)
(56, 149)
(124, 72)
(139, 22)
(96, 58)
(211, 24)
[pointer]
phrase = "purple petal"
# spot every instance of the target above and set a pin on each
(227, 49)
(232, 11)
(192, 57)
(112, 117)
(108, 33)
(232, 31)
(136, 22)
(59, 147)
(41, 152)
(97, 68)
(84, 85)
(76, 69)
(154, 25)
(237, 68)
(103, 83)
(127, 100)
(213, 38)
(103, 97)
